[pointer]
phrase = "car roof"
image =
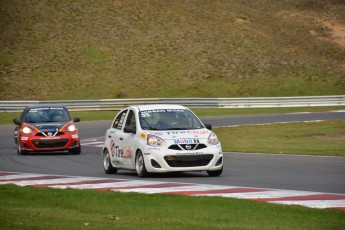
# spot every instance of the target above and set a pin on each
(46, 105)
(159, 106)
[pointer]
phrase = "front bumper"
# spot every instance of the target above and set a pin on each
(161, 160)
(43, 144)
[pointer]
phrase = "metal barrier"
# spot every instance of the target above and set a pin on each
(245, 102)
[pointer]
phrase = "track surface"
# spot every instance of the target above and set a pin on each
(282, 172)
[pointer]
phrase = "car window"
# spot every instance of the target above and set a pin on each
(169, 119)
(47, 114)
(118, 122)
(131, 119)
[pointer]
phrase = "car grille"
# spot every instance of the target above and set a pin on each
(188, 160)
(50, 143)
(187, 147)
(47, 134)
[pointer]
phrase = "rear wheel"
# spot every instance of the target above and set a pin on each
(215, 173)
(140, 165)
(108, 167)
(16, 135)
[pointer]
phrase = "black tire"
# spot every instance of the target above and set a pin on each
(215, 173)
(108, 167)
(16, 135)
(76, 151)
(140, 165)
(20, 151)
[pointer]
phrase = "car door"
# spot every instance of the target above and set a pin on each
(115, 139)
(128, 140)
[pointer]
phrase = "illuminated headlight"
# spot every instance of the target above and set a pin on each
(27, 130)
(155, 141)
(71, 128)
(213, 139)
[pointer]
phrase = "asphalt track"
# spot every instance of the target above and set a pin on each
(286, 172)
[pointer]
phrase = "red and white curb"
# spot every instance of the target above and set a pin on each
(93, 142)
(288, 197)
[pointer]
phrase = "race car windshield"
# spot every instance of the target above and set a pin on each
(47, 114)
(169, 119)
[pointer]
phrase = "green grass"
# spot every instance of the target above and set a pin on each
(44, 208)
(248, 111)
(326, 138)
(134, 49)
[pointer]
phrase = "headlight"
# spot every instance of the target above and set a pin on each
(71, 128)
(155, 141)
(27, 130)
(213, 139)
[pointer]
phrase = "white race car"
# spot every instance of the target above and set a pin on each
(160, 139)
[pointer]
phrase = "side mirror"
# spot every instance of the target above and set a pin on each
(76, 119)
(208, 126)
(17, 121)
(129, 129)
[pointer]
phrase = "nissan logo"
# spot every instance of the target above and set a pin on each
(188, 147)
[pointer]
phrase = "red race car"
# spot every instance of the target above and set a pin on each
(45, 128)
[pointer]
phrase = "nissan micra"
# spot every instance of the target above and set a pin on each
(43, 128)
(161, 139)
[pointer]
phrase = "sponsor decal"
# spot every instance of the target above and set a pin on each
(50, 138)
(47, 130)
(192, 132)
(157, 133)
(185, 141)
(198, 132)
(47, 124)
(193, 153)
(153, 148)
(125, 152)
(33, 110)
(75, 136)
(112, 147)
(24, 138)
(163, 111)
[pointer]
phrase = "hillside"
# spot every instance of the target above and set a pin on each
(77, 49)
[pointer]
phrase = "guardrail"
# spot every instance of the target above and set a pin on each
(245, 102)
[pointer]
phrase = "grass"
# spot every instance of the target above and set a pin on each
(45, 208)
(326, 138)
(136, 49)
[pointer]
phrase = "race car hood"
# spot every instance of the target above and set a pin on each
(182, 134)
(48, 127)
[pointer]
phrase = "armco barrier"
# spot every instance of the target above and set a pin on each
(245, 102)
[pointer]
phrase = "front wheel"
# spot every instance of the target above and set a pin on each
(76, 151)
(20, 151)
(215, 173)
(140, 165)
(108, 167)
